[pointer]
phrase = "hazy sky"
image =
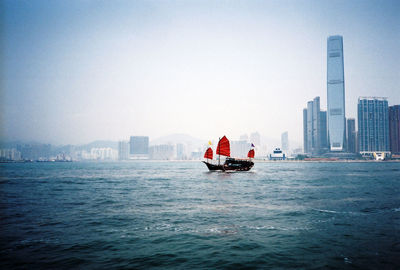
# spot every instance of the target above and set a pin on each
(77, 71)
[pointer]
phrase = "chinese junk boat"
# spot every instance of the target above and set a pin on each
(230, 164)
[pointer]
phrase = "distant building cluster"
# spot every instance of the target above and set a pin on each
(34, 152)
(138, 147)
(10, 154)
(329, 132)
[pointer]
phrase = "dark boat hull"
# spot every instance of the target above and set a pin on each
(214, 167)
(231, 164)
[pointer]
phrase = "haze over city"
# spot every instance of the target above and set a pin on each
(78, 71)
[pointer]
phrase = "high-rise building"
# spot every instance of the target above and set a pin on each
(35, 151)
(336, 94)
(351, 135)
(255, 138)
(394, 128)
(103, 153)
(285, 141)
(123, 150)
(10, 154)
(373, 125)
(314, 128)
(180, 151)
(162, 151)
(305, 139)
(310, 137)
(323, 131)
(139, 145)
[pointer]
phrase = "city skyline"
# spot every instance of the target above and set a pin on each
(156, 68)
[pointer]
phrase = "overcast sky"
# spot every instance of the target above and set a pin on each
(77, 71)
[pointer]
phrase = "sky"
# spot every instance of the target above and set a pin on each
(77, 71)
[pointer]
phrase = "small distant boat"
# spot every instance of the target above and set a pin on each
(230, 164)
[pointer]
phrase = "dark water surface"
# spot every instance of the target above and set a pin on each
(141, 215)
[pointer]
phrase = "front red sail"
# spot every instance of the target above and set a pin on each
(209, 153)
(223, 147)
(251, 153)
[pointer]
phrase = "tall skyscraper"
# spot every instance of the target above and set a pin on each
(336, 94)
(305, 139)
(394, 128)
(351, 135)
(324, 130)
(285, 141)
(314, 125)
(139, 145)
(373, 125)
(310, 136)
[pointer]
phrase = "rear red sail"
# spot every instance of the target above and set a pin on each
(223, 147)
(209, 153)
(251, 153)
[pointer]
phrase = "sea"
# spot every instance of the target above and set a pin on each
(178, 215)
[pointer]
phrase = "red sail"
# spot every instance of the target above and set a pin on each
(223, 147)
(251, 153)
(209, 153)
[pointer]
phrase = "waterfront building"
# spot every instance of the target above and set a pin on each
(394, 128)
(181, 151)
(335, 94)
(373, 125)
(10, 154)
(351, 135)
(305, 139)
(123, 150)
(314, 128)
(323, 132)
(139, 146)
(35, 151)
(103, 153)
(277, 154)
(310, 137)
(161, 152)
(285, 141)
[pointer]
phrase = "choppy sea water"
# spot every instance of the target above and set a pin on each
(177, 215)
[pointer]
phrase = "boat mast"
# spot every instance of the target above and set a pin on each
(219, 155)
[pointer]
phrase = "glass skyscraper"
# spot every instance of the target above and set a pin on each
(351, 135)
(314, 128)
(394, 128)
(373, 125)
(335, 88)
(305, 139)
